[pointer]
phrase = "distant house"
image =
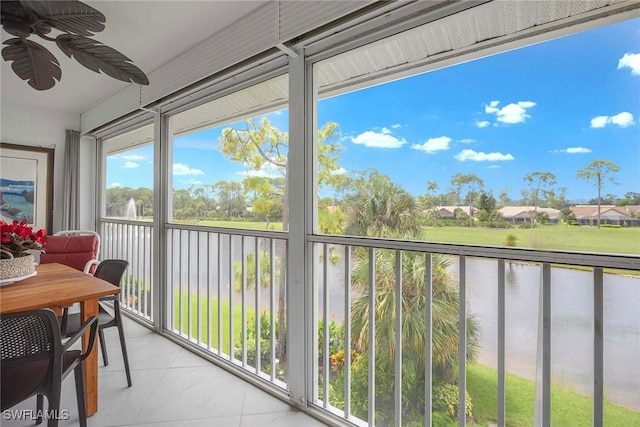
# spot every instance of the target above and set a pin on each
(609, 214)
(520, 214)
(448, 212)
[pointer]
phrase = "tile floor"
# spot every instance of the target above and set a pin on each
(172, 387)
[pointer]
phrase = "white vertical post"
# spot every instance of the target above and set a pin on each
(272, 305)
(258, 283)
(428, 345)
(243, 302)
(501, 343)
(347, 332)
(462, 344)
(299, 283)
(219, 238)
(598, 346)
(546, 344)
(398, 352)
(372, 338)
(325, 330)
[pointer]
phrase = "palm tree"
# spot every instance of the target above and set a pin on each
(445, 306)
(380, 208)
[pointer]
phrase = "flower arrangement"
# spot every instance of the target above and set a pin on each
(17, 238)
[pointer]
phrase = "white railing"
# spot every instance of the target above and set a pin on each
(225, 293)
(560, 320)
(131, 241)
(531, 314)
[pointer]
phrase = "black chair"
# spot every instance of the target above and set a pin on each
(34, 361)
(110, 270)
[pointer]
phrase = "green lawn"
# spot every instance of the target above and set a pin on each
(203, 336)
(567, 408)
(559, 237)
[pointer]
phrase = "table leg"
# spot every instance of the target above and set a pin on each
(89, 308)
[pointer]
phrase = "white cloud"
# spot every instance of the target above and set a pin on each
(577, 150)
(492, 107)
(433, 144)
(396, 126)
(476, 156)
(494, 167)
(467, 140)
(382, 139)
(515, 113)
(624, 119)
(339, 171)
(132, 157)
(631, 61)
(482, 124)
(509, 114)
(182, 169)
(115, 185)
(130, 165)
(599, 121)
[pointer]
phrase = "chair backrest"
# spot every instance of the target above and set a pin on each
(77, 251)
(81, 233)
(28, 336)
(111, 270)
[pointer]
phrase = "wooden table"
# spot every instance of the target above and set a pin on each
(56, 286)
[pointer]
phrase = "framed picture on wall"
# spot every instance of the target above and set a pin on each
(26, 184)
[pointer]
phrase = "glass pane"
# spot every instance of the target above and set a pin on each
(129, 175)
(229, 160)
(506, 150)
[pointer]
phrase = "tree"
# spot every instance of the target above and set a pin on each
(380, 208)
(504, 199)
(630, 198)
(263, 148)
(231, 198)
(430, 199)
(472, 183)
(557, 199)
(487, 202)
(598, 172)
(538, 181)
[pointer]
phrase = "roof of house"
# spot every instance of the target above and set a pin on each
(590, 211)
(525, 211)
(453, 208)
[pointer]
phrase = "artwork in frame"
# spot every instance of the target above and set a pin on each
(26, 184)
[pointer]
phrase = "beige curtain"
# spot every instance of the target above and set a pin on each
(71, 186)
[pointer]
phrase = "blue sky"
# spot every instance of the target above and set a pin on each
(552, 107)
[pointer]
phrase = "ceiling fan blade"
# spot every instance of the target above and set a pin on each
(71, 16)
(99, 57)
(14, 18)
(32, 62)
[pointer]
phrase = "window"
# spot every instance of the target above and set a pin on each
(229, 160)
(516, 149)
(129, 175)
(505, 150)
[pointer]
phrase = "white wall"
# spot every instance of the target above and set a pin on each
(26, 125)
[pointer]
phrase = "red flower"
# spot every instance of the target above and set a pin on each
(17, 238)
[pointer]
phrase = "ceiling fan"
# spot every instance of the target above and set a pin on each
(75, 22)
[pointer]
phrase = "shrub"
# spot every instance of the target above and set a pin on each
(510, 240)
(445, 399)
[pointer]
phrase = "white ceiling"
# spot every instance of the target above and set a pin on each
(149, 32)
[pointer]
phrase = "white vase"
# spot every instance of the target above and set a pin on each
(17, 267)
